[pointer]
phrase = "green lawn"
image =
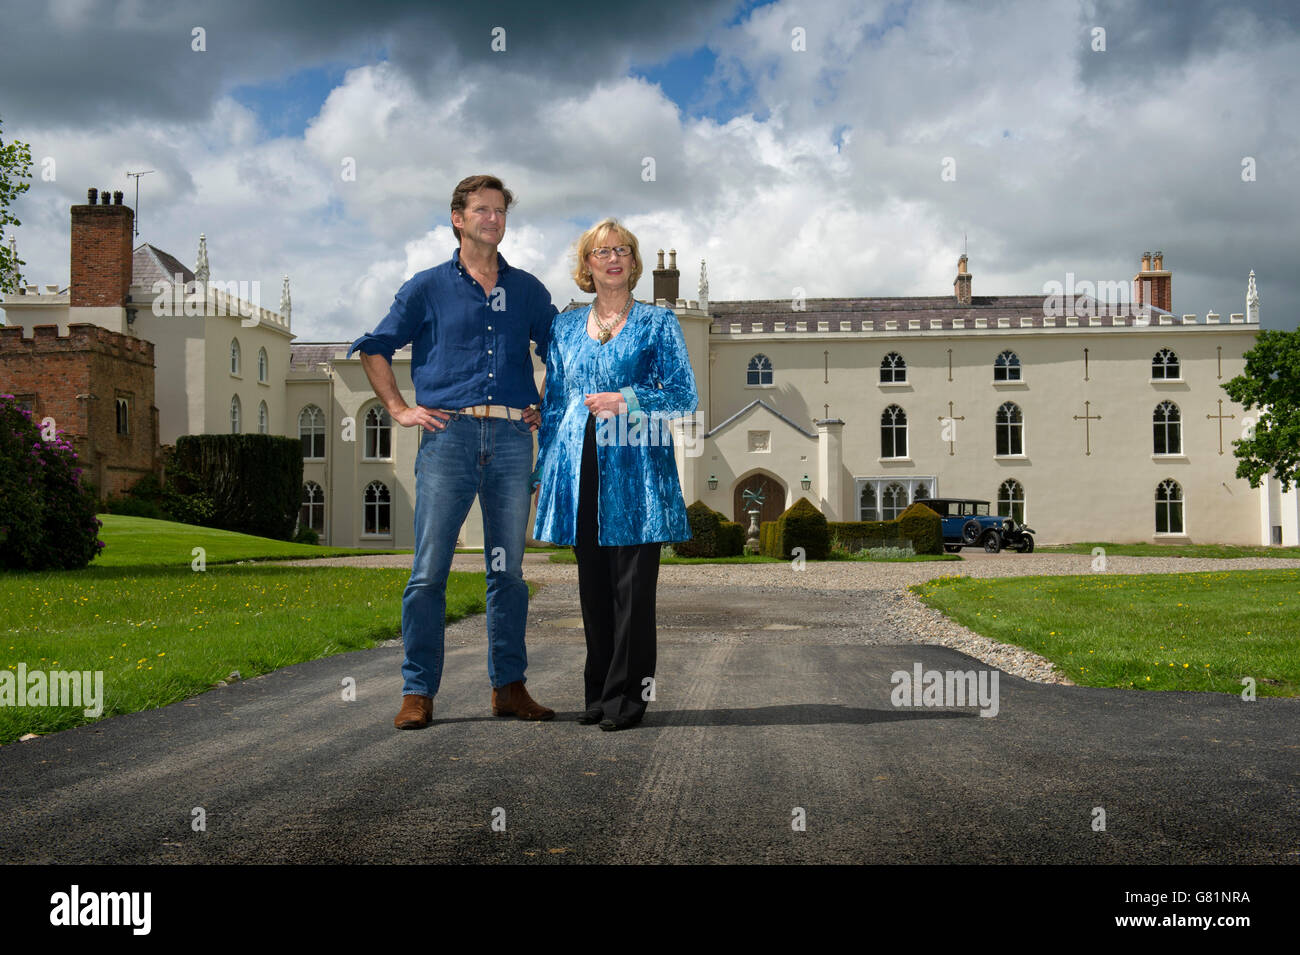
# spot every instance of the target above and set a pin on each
(161, 631)
(143, 542)
(1218, 551)
(1143, 631)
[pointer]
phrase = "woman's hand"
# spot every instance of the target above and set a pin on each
(605, 404)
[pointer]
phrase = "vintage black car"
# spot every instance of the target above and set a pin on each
(969, 523)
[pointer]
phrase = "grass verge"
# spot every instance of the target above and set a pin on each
(160, 635)
(1203, 632)
(144, 542)
(1218, 551)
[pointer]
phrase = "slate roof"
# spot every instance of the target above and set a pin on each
(306, 355)
(149, 265)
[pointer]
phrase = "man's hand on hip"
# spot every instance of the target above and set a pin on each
(428, 418)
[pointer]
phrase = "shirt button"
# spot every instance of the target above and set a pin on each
(489, 351)
(490, 375)
(489, 328)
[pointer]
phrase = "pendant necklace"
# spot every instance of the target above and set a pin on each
(607, 331)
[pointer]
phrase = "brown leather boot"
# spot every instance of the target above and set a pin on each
(513, 700)
(416, 712)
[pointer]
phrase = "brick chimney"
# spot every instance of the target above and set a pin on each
(666, 279)
(1153, 285)
(961, 284)
(101, 251)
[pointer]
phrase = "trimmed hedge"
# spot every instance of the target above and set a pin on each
(705, 527)
(712, 535)
(918, 525)
(802, 525)
(923, 528)
(250, 483)
(731, 539)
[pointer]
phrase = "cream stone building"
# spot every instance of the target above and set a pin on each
(1095, 419)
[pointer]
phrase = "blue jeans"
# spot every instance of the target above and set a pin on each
(493, 458)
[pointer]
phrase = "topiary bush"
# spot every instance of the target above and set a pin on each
(47, 516)
(802, 525)
(706, 525)
(731, 539)
(923, 528)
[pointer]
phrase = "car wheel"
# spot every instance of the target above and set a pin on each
(970, 531)
(992, 542)
(1028, 546)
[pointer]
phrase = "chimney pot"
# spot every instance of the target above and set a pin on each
(104, 197)
(1146, 261)
(117, 197)
(92, 196)
(666, 279)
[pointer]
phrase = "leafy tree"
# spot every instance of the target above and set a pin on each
(1271, 383)
(15, 160)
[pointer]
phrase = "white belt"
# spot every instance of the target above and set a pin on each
(488, 411)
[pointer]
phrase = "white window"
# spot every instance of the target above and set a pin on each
(234, 415)
(1006, 367)
(1165, 366)
(377, 510)
(379, 434)
(1011, 501)
(312, 513)
(893, 432)
(263, 418)
(759, 371)
(1169, 507)
(893, 370)
(311, 431)
(884, 498)
(234, 356)
(263, 365)
(1168, 429)
(1010, 430)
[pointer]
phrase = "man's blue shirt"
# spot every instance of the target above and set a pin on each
(467, 348)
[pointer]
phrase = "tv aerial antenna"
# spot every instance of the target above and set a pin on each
(136, 176)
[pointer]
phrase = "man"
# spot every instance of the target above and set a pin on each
(469, 321)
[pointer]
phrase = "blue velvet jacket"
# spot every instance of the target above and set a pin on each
(640, 496)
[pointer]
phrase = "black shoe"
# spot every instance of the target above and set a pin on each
(610, 725)
(592, 715)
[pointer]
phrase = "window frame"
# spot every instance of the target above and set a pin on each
(1014, 428)
(889, 433)
(1005, 368)
(1168, 427)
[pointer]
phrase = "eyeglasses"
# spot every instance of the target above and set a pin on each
(622, 251)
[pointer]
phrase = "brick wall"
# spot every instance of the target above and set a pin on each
(101, 255)
(89, 360)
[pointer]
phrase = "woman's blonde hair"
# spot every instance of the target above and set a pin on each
(587, 242)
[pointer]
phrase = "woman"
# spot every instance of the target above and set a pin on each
(615, 372)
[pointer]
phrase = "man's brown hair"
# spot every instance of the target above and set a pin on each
(460, 195)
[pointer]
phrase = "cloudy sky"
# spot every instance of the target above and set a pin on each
(843, 148)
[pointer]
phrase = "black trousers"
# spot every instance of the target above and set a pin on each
(616, 586)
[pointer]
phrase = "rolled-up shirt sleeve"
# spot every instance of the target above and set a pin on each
(400, 326)
(542, 316)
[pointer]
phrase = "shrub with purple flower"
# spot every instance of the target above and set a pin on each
(47, 515)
